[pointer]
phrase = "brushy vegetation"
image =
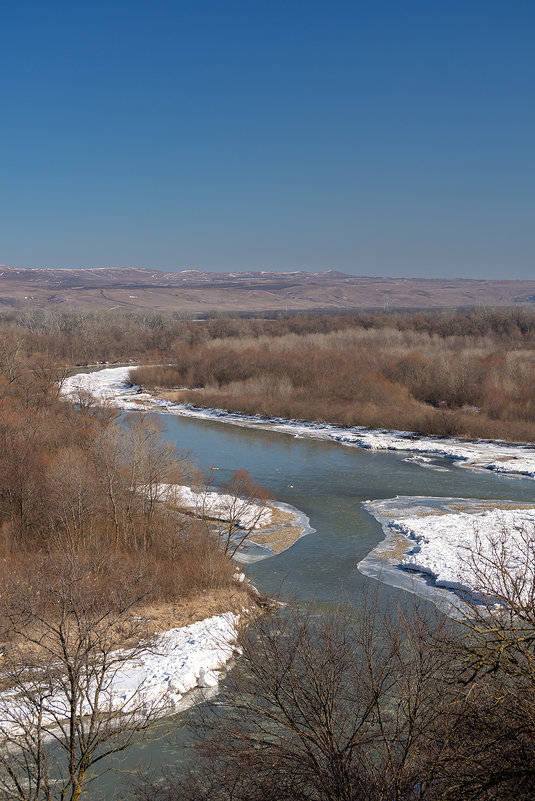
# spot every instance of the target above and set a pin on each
(451, 373)
(92, 546)
(321, 709)
(77, 479)
(362, 705)
(467, 374)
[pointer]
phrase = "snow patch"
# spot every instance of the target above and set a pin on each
(446, 549)
(179, 660)
(464, 550)
(217, 505)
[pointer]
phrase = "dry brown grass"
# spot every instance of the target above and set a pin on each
(154, 616)
(198, 606)
(280, 533)
(394, 548)
(175, 396)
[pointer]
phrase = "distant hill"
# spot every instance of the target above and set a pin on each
(196, 291)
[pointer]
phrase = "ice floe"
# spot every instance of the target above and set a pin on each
(478, 549)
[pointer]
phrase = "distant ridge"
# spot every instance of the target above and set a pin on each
(117, 275)
(250, 291)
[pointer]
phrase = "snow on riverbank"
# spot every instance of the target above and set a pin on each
(111, 385)
(243, 512)
(440, 537)
(462, 550)
(259, 530)
(156, 679)
(178, 661)
(456, 544)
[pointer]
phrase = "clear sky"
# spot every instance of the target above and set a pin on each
(387, 137)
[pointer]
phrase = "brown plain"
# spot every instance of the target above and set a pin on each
(194, 291)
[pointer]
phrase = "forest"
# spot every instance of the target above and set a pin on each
(70, 478)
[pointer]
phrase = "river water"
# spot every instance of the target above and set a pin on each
(328, 482)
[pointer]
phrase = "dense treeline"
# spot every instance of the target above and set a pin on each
(466, 374)
(90, 337)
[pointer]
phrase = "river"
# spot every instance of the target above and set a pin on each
(328, 482)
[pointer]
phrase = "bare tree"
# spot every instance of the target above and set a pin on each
(11, 358)
(72, 498)
(331, 708)
(240, 506)
(152, 465)
(493, 746)
(68, 639)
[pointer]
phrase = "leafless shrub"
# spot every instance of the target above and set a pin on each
(326, 708)
(67, 633)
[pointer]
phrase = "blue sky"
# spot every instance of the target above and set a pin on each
(378, 138)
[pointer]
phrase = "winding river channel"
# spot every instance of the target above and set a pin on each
(329, 483)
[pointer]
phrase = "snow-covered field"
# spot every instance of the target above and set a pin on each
(178, 661)
(111, 385)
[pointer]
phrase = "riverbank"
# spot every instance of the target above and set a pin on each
(161, 678)
(112, 386)
(259, 529)
(277, 526)
(193, 638)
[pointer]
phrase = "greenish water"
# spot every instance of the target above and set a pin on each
(328, 482)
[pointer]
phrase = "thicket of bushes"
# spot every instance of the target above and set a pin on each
(468, 374)
(80, 337)
(360, 706)
(93, 558)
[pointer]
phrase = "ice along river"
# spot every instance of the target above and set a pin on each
(328, 482)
